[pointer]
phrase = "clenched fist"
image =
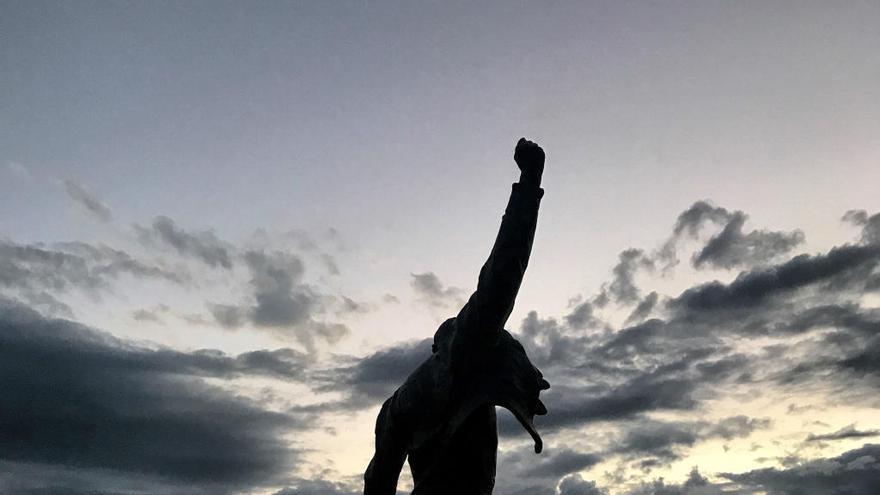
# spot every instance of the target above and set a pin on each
(529, 157)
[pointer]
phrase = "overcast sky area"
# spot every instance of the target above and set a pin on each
(228, 230)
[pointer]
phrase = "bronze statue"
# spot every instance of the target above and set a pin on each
(443, 416)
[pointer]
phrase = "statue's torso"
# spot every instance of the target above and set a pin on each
(466, 465)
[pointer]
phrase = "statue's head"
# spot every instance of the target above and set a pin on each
(443, 336)
(520, 383)
(504, 376)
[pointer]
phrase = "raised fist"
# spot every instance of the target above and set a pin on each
(529, 157)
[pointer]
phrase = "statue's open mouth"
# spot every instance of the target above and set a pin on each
(526, 419)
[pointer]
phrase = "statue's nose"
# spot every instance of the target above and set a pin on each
(543, 384)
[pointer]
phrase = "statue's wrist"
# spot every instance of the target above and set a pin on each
(530, 179)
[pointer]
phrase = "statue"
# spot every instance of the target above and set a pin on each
(443, 416)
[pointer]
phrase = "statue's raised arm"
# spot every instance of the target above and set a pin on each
(483, 317)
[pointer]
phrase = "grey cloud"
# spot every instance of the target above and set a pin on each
(623, 287)
(228, 316)
(843, 434)
(846, 315)
(203, 246)
(428, 286)
(281, 301)
(688, 224)
(644, 308)
(39, 273)
(557, 463)
(550, 344)
(690, 221)
(274, 278)
(111, 262)
(644, 393)
(576, 485)
(320, 487)
(696, 484)
(862, 360)
(522, 472)
(46, 303)
(104, 405)
(732, 248)
(870, 224)
(330, 263)
(88, 201)
(372, 379)
(737, 427)
(658, 439)
(663, 440)
(145, 315)
(852, 473)
(582, 316)
(29, 478)
(842, 266)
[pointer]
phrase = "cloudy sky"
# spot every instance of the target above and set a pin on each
(228, 229)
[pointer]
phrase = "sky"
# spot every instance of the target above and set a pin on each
(228, 230)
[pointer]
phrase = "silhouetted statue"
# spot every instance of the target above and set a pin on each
(443, 416)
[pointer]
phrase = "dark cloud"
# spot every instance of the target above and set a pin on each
(732, 248)
(852, 473)
(842, 266)
(79, 399)
(845, 433)
(372, 379)
(431, 291)
(688, 225)
(582, 405)
(557, 463)
(862, 360)
(729, 248)
(28, 478)
(658, 439)
(88, 201)
(203, 246)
